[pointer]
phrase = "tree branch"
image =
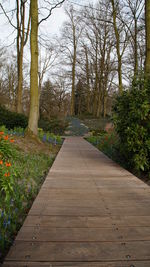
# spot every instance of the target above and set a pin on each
(50, 11)
(5, 13)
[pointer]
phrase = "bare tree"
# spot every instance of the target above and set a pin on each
(32, 129)
(71, 34)
(22, 38)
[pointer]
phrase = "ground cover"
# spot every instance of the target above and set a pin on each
(109, 144)
(23, 166)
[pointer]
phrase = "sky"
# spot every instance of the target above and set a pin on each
(49, 28)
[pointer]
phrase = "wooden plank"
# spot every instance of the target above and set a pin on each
(94, 222)
(78, 264)
(69, 221)
(42, 233)
(76, 251)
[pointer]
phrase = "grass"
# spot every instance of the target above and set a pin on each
(23, 167)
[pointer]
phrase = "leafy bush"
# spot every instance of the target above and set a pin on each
(107, 143)
(12, 119)
(132, 123)
(55, 126)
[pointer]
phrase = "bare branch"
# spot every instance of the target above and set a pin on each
(5, 13)
(50, 11)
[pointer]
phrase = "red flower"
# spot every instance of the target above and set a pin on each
(6, 137)
(1, 162)
(7, 174)
(12, 141)
(8, 164)
(1, 133)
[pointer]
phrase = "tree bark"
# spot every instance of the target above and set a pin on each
(73, 73)
(87, 80)
(32, 129)
(135, 47)
(95, 103)
(117, 47)
(147, 28)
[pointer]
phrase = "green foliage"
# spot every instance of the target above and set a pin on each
(132, 123)
(49, 137)
(12, 119)
(18, 122)
(21, 175)
(107, 143)
(55, 126)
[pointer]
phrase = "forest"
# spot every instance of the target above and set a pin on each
(99, 51)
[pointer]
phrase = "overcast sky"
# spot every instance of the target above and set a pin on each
(49, 28)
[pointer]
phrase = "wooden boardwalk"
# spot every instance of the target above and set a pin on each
(90, 212)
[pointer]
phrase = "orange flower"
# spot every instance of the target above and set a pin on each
(1, 133)
(8, 164)
(7, 174)
(1, 162)
(12, 141)
(6, 137)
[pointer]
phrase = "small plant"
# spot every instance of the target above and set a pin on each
(50, 137)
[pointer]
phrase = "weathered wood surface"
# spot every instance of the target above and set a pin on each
(90, 212)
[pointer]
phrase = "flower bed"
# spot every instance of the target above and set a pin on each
(21, 175)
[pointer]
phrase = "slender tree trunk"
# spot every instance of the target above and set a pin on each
(32, 129)
(135, 48)
(99, 102)
(117, 47)
(73, 74)
(147, 25)
(87, 80)
(96, 81)
(20, 81)
(20, 48)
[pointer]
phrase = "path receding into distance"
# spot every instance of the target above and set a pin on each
(89, 212)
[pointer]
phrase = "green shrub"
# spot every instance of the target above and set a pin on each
(55, 126)
(18, 122)
(12, 119)
(132, 123)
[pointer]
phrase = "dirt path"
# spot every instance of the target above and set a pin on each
(89, 212)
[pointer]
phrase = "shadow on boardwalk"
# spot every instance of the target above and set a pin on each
(89, 212)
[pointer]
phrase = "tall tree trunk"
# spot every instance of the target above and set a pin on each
(20, 81)
(34, 93)
(135, 48)
(20, 48)
(147, 25)
(73, 74)
(22, 38)
(87, 79)
(95, 103)
(117, 47)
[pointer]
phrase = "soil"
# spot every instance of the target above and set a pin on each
(31, 145)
